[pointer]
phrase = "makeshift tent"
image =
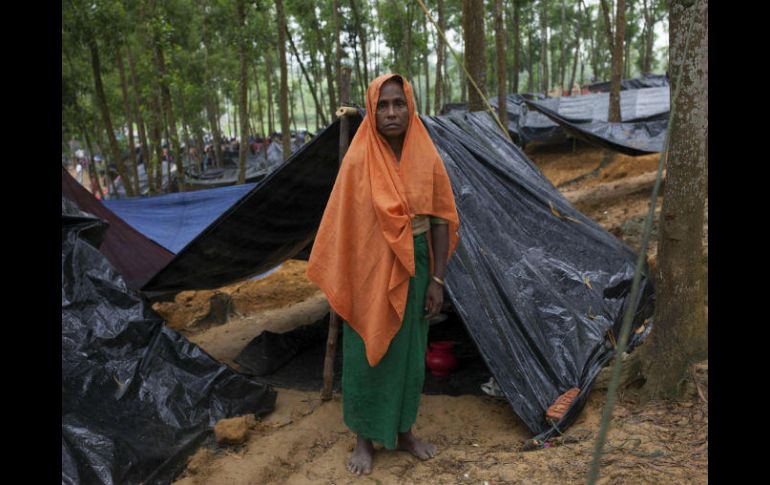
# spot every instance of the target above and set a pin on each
(144, 188)
(632, 138)
(270, 224)
(136, 257)
(137, 398)
(257, 166)
(645, 81)
(538, 285)
(541, 288)
(548, 121)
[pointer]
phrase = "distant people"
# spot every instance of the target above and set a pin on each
(167, 157)
(79, 171)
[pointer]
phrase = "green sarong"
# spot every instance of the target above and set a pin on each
(380, 402)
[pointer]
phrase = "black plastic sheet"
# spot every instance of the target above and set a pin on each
(538, 285)
(548, 121)
(538, 292)
(272, 223)
(645, 81)
(631, 138)
(137, 398)
(136, 257)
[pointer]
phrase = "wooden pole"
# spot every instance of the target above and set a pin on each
(334, 319)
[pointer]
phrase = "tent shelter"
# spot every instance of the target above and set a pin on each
(540, 288)
(137, 397)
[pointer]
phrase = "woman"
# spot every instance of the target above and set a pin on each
(380, 271)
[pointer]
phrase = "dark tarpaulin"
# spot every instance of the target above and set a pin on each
(537, 292)
(645, 81)
(137, 398)
(645, 108)
(631, 138)
(272, 223)
(635, 105)
(136, 257)
(257, 166)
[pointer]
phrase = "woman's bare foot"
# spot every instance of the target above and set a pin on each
(421, 449)
(361, 459)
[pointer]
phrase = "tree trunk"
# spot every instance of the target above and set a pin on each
(425, 66)
(407, 46)
(500, 45)
(211, 114)
(362, 38)
(302, 102)
(359, 73)
(337, 47)
(544, 84)
(577, 53)
(236, 118)
(260, 114)
(448, 91)
(615, 41)
(649, 37)
(530, 60)
(93, 172)
(440, 53)
(146, 155)
(563, 47)
(102, 102)
(284, 109)
(680, 337)
(269, 72)
(516, 45)
(244, 88)
(310, 83)
(292, 101)
(594, 46)
(129, 120)
(155, 131)
(212, 111)
(326, 51)
(473, 33)
(165, 94)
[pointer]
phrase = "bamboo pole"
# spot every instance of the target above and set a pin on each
(334, 319)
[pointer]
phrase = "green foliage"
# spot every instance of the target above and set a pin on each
(199, 40)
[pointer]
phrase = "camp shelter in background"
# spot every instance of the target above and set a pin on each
(547, 121)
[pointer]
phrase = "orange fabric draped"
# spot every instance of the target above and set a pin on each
(363, 254)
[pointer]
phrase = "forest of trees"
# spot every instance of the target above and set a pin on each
(155, 73)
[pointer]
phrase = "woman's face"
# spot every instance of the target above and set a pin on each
(392, 113)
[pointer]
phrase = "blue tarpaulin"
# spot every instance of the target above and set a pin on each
(173, 220)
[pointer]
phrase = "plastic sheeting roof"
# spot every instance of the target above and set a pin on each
(538, 292)
(173, 220)
(137, 258)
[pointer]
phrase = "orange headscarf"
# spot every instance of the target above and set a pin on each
(363, 254)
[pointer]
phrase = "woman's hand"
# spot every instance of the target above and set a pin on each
(434, 299)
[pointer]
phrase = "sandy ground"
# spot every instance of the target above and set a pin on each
(479, 438)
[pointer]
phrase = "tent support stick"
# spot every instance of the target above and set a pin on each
(334, 319)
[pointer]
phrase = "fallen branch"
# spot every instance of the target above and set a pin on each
(612, 190)
(607, 158)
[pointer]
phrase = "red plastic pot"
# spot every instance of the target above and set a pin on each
(440, 359)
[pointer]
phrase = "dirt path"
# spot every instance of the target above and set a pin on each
(479, 440)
